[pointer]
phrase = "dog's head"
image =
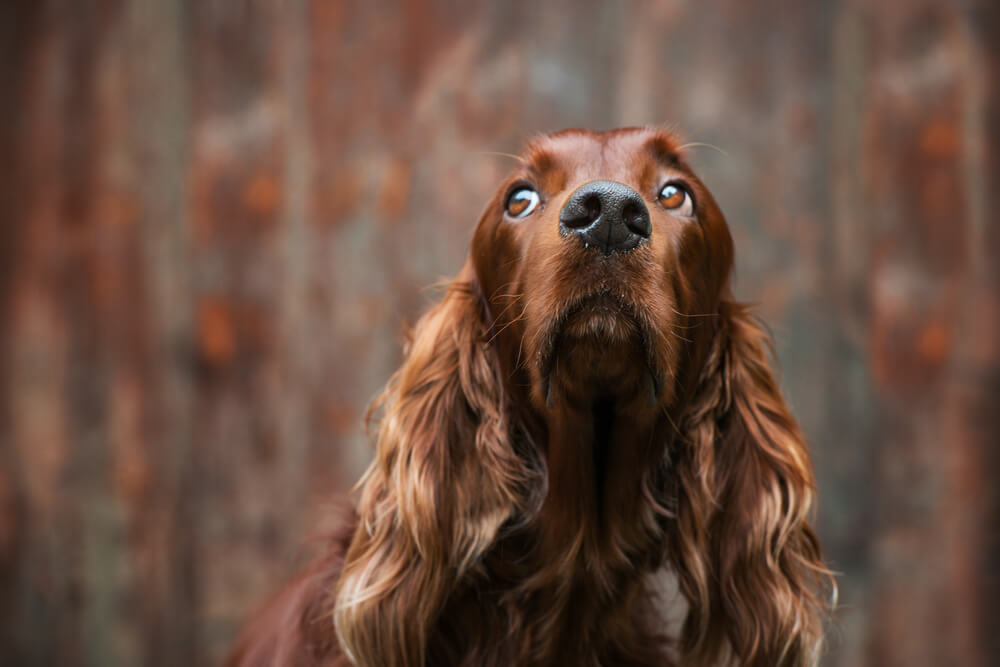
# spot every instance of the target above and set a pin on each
(595, 255)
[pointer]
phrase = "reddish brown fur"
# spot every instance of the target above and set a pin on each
(564, 425)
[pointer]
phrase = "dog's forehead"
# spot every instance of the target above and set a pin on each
(605, 154)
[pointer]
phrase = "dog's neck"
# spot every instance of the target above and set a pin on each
(597, 535)
(599, 457)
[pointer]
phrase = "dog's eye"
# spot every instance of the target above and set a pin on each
(522, 202)
(675, 197)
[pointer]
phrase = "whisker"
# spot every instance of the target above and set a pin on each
(693, 314)
(516, 319)
(501, 154)
(508, 307)
(670, 419)
(520, 344)
(687, 326)
(677, 335)
(517, 359)
(695, 144)
(496, 292)
(503, 328)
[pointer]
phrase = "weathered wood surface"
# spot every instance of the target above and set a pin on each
(218, 215)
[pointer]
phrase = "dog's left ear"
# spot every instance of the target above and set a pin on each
(746, 557)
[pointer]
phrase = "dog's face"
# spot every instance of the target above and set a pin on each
(595, 255)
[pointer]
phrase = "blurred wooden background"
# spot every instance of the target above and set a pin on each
(218, 215)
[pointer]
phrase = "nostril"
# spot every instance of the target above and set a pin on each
(593, 207)
(583, 214)
(636, 218)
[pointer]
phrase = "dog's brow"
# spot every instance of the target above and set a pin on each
(662, 150)
(541, 161)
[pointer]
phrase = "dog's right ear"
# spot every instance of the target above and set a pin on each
(444, 480)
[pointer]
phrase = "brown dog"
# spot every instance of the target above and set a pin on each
(585, 406)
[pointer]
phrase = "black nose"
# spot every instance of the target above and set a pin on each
(607, 215)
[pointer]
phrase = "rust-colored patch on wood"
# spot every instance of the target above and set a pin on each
(397, 182)
(940, 139)
(262, 195)
(216, 335)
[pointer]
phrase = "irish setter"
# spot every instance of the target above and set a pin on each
(587, 406)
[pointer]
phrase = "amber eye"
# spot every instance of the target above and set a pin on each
(675, 198)
(522, 202)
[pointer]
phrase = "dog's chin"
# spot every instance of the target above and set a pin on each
(599, 349)
(603, 322)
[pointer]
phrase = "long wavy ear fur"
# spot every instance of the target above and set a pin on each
(445, 479)
(746, 557)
